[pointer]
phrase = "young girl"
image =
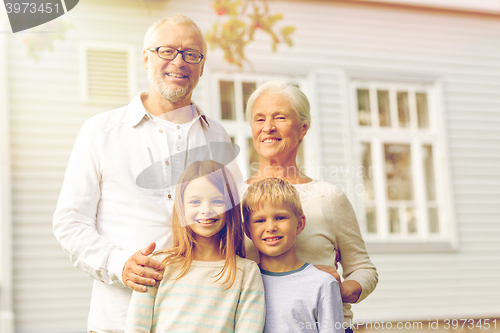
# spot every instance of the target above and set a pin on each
(207, 286)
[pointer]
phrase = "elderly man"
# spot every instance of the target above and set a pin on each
(119, 186)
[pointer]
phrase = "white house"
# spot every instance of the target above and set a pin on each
(406, 119)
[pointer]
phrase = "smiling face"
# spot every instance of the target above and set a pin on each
(274, 229)
(174, 80)
(204, 209)
(276, 129)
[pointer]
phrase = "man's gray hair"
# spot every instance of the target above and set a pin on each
(174, 18)
(297, 99)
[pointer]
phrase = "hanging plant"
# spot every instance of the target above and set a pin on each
(42, 37)
(235, 29)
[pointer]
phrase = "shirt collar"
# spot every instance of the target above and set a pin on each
(200, 113)
(137, 112)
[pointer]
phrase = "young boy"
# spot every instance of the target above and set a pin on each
(299, 297)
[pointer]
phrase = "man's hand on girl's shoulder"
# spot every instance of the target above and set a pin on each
(140, 270)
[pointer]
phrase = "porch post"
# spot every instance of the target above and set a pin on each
(6, 287)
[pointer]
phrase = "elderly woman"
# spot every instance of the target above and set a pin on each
(280, 118)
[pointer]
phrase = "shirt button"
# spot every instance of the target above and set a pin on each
(178, 148)
(169, 196)
(161, 131)
(179, 136)
(167, 163)
(178, 127)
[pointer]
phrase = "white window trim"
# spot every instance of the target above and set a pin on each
(242, 126)
(103, 46)
(449, 241)
(6, 282)
(313, 158)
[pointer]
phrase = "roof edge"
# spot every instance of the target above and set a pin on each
(489, 8)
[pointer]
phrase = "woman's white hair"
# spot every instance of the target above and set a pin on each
(174, 18)
(297, 99)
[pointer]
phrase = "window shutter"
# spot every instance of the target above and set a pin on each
(107, 74)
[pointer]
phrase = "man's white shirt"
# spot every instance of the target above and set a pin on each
(118, 196)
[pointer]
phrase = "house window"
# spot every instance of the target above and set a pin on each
(397, 145)
(107, 73)
(231, 93)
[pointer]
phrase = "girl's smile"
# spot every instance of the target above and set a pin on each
(205, 209)
(207, 222)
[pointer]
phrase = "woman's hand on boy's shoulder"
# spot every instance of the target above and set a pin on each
(140, 270)
(350, 290)
(330, 270)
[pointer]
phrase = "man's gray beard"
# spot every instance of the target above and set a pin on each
(173, 94)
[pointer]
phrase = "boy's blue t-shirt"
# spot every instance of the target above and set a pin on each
(303, 300)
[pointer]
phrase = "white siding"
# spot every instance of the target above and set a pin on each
(335, 41)
(46, 114)
(333, 126)
(462, 52)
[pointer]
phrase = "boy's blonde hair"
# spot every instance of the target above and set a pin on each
(270, 191)
(231, 241)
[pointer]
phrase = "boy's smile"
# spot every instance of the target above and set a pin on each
(271, 241)
(274, 229)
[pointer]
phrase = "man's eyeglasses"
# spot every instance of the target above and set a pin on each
(168, 53)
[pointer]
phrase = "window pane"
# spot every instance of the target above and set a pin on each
(384, 113)
(253, 158)
(371, 220)
(398, 172)
(364, 107)
(248, 88)
(422, 110)
(403, 110)
(429, 172)
(394, 220)
(227, 104)
(366, 157)
(411, 220)
(433, 220)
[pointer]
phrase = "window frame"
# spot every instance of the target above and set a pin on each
(422, 241)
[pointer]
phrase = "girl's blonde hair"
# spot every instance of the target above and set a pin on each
(231, 240)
